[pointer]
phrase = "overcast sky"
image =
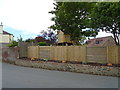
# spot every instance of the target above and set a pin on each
(27, 17)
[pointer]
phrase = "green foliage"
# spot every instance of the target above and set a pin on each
(20, 39)
(106, 17)
(13, 44)
(71, 18)
(29, 40)
(84, 62)
(43, 44)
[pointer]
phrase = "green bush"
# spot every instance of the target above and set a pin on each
(43, 44)
(29, 40)
(13, 44)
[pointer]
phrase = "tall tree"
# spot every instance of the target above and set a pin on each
(106, 17)
(70, 17)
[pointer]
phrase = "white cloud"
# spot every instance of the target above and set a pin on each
(103, 34)
(30, 16)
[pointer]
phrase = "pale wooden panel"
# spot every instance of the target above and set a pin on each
(55, 51)
(70, 53)
(77, 53)
(44, 52)
(97, 54)
(112, 52)
(33, 51)
(62, 53)
(83, 54)
(118, 54)
(59, 53)
(52, 52)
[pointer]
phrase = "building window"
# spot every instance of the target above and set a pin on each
(97, 42)
(88, 42)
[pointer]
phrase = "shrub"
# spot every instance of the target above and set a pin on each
(13, 44)
(29, 40)
(43, 44)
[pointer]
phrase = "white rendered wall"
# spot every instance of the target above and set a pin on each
(1, 29)
(7, 38)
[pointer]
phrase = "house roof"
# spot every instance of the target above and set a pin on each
(98, 41)
(4, 32)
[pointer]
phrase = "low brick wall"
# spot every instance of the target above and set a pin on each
(79, 68)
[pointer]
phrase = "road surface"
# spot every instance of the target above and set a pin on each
(25, 77)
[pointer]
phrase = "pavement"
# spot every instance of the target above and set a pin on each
(26, 77)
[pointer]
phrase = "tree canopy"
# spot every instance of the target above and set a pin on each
(73, 17)
(106, 17)
(70, 17)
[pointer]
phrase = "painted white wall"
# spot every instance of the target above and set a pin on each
(5, 38)
(0, 38)
(1, 29)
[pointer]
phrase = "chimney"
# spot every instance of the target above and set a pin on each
(1, 28)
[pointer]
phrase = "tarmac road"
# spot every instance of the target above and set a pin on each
(25, 77)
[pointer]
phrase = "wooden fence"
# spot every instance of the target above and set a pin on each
(76, 53)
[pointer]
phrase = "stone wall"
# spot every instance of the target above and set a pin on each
(0, 53)
(10, 54)
(79, 68)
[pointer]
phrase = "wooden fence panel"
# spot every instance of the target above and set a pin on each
(71, 53)
(83, 54)
(52, 52)
(97, 54)
(61, 53)
(113, 54)
(45, 52)
(33, 52)
(76, 53)
(118, 54)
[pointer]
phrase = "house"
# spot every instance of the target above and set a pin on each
(63, 38)
(102, 41)
(42, 39)
(5, 37)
